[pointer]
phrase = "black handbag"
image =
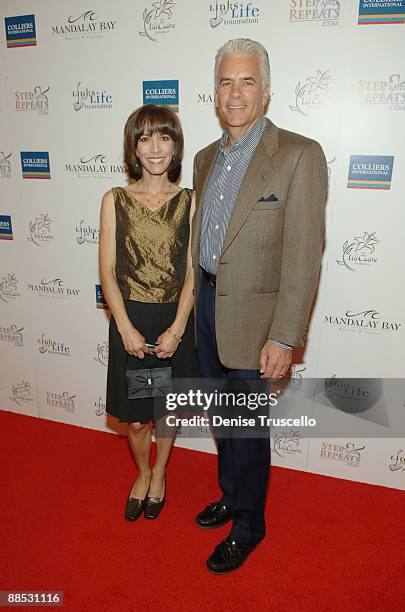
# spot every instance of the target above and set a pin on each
(150, 382)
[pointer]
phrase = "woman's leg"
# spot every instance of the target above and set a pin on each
(140, 438)
(164, 441)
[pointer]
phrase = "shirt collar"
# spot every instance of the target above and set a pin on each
(250, 138)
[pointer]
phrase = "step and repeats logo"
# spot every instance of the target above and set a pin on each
(34, 99)
(381, 12)
(63, 400)
(348, 453)
(388, 94)
(233, 13)
(162, 93)
(326, 12)
(158, 19)
(35, 165)
(6, 229)
(20, 31)
(13, 334)
(370, 172)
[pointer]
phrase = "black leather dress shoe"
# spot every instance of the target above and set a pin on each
(228, 556)
(154, 506)
(134, 508)
(214, 515)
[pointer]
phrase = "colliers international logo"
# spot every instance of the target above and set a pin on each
(20, 31)
(87, 25)
(158, 18)
(39, 230)
(233, 13)
(35, 165)
(381, 12)
(34, 100)
(312, 93)
(91, 99)
(359, 251)
(370, 172)
(325, 12)
(5, 165)
(6, 229)
(388, 93)
(97, 166)
(163, 93)
(100, 299)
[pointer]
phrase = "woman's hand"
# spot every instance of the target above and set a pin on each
(166, 345)
(133, 342)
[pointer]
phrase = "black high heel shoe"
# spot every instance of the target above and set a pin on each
(154, 506)
(134, 507)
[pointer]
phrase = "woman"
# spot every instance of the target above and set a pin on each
(147, 279)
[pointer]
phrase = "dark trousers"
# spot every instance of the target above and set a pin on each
(243, 462)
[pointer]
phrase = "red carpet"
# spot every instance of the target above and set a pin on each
(332, 544)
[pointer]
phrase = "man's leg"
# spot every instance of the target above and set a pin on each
(211, 367)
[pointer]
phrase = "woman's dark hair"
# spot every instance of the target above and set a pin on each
(149, 119)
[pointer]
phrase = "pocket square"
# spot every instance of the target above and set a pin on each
(270, 198)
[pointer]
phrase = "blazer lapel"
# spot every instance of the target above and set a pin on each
(257, 175)
(202, 180)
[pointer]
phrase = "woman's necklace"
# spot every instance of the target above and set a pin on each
(158, 201)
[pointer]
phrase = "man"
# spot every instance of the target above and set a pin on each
(257, 243)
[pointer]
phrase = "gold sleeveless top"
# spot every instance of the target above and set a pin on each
(151, 247)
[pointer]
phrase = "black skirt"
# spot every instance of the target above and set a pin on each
(150, 320)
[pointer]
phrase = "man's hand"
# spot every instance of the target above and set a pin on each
(274, 361)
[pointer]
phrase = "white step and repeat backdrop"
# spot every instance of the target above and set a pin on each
(73, 72)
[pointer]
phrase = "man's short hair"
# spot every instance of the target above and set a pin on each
(248, 46)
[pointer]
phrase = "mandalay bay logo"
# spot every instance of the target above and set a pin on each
(9, 288)
(54, 288)
(367, 321)
(87, 25)
(87, 234)
(358, 252)
(39, 230)
(388, 93)
(312, 93)
(326, 12)
(97, 166)
(158, 19)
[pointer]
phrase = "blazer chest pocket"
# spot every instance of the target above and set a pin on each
(268, 205)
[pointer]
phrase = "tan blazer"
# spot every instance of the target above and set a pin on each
(269, 265)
